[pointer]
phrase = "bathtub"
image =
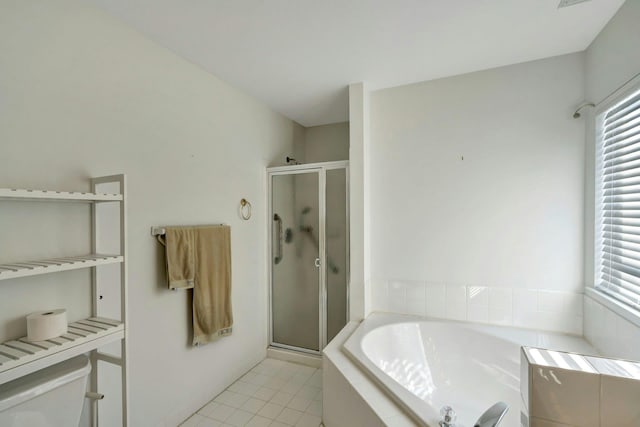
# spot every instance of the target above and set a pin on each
(424, 364)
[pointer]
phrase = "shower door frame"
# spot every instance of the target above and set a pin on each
(321, 169)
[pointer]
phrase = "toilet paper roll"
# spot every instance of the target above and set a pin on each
(44, 325)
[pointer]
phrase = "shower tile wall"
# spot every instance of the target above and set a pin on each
(274, 393)
(529, 308)
(611, 334)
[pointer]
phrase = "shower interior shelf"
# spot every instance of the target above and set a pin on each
(20, 357)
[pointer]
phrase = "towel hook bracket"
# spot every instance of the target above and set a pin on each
(158, 231)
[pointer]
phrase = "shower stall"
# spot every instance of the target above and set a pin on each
(309, 254)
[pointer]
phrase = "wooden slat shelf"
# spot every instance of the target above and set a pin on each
(20, 194)
(21, 357)
(53, 265)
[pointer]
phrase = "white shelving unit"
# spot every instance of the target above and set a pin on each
(20, 357)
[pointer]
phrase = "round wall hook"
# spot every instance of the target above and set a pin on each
(245, 209)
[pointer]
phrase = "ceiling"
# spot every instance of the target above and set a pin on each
(299, 56)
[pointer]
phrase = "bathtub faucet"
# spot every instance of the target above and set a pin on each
(448, 417)
(492, 416)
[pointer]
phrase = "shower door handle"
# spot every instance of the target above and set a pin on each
(278, 220)
(317, 262)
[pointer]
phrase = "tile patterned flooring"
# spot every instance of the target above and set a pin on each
(274, 393)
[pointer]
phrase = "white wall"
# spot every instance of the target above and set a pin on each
(612, 60)
(477, 196)
(326, 143)
(81, 95)
(359, 217)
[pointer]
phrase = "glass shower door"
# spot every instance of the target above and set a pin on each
(295, 260)
(337, 250)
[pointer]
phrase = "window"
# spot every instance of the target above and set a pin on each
(618, 199)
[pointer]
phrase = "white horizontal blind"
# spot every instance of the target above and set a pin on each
(618, 201)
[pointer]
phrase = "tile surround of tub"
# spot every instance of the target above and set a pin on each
(569, 389)
(565, 396)
(528, 308)
(274, 393)
(611, 334)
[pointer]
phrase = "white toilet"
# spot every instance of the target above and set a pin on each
(51, 397)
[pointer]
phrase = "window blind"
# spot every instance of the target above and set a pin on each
(618, 200)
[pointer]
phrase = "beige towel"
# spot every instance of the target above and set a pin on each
(212, 315)
(180, 256)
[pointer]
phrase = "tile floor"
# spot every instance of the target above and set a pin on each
(274, 393)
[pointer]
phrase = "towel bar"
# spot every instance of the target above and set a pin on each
(161, 231)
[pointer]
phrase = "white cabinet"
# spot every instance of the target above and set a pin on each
(103, 334)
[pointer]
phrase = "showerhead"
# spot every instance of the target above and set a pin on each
(567, 3)
(577, 114)
(306, 210)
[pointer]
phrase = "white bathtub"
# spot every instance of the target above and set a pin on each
(425, 365)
